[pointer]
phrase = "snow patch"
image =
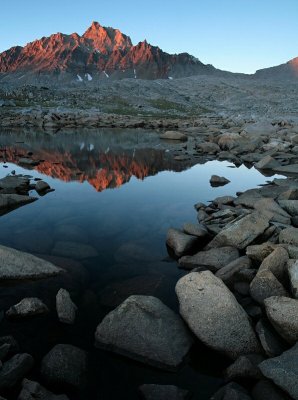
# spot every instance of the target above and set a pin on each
(171, 78)
(106, 74)
(79, 78)
(135, 73)
(89, 77)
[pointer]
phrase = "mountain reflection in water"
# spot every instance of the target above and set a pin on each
(104, 159)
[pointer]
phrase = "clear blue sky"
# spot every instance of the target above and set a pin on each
(235, 35)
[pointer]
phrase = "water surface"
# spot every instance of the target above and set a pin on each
(117, 192)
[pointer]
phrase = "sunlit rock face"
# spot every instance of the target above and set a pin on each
(100, 53)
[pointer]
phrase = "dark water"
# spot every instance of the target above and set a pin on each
(117, 192)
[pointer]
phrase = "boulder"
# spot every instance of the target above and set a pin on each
(242, 232)
(267, 162)
(290, 206)
(283, 371)
(65, 307)
(289, 236)
(214, 315)
(27, 307)
(270, 341)
(265, 285)
(228, 274)
(180, 242)
(144, 329)
(11, 201)
(15, 369)
(293, 275)
(198, 230)
(268, 205)
(259, 252)
(245, 367)
(15, 264)
(212, 259)
(65, 364)
(163, 392)
(276, 262)
(282, 312)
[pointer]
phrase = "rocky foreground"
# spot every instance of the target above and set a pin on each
(240, 297)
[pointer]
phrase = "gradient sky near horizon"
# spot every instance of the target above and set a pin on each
(234, 35)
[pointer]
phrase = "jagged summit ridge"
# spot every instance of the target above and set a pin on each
(101, 52)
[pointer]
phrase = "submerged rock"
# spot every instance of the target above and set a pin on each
(75, 250)
(15, 369)
(65, 364)
(15, 264)
(163, 392)
(231, 391)
(214, 315)
(33, 390)
(144, 329)
(27, 307)
(283, 370)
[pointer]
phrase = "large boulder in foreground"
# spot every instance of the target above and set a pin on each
(15, 369)
(146, 330)
(242, 232)
(214, 315)
(283, 370)
(15, 264)
(283, 315)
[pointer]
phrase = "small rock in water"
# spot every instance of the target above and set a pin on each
(42, 186)
(27, 307)
(66, 309)
(216, 180)
(146, 330)
(163, 392)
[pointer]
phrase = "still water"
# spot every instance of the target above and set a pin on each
(116, 194)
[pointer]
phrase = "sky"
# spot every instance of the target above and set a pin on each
(233, 35)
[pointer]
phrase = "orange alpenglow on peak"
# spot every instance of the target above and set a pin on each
(100, 53)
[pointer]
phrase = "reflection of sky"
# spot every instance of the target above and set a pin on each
(159, 193)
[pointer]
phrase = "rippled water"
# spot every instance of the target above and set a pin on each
(117, 192)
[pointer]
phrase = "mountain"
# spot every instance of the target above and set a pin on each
(287, 71)
(100, 53)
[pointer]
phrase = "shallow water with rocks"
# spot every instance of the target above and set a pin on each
(115, 196)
